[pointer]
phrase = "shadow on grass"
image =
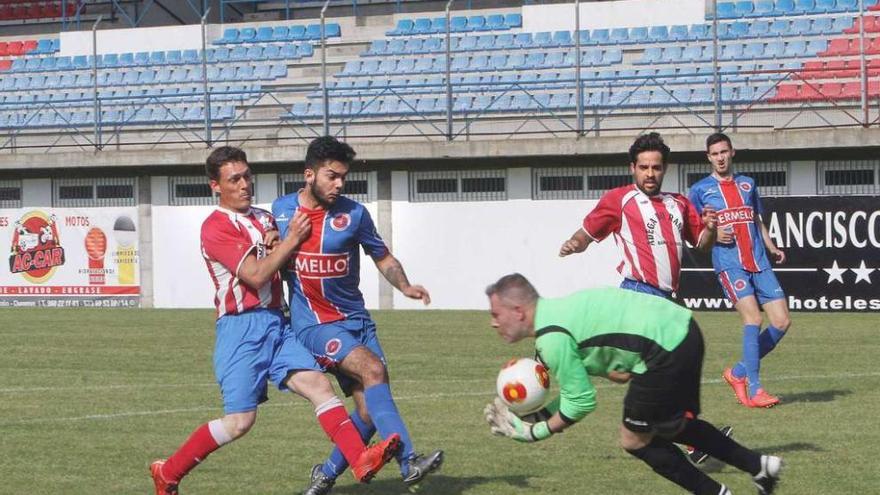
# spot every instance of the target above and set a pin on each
(712, 465)
(818, 396)
(436, 484)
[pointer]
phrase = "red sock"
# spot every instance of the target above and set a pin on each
(190, 454)
(338, 426)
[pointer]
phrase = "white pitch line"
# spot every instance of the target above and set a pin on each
(439, 395)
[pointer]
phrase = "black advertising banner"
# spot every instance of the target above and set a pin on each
(832, 249)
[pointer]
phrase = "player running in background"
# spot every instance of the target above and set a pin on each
(254, 342)
(327, 307)
(650, 227)
(743, 268)
(598, 331)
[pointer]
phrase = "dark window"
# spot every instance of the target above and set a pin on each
(75, 192)
(768, 179)
(482, 184)
(562, 183)
(427, 186)
(292, 187)
(694, 178)
(863, 177)
(192, 190)
(117, 191)
(355, 187)
(10, 194)
(602, 182)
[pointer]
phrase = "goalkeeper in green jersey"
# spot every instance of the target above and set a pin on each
(620, 334)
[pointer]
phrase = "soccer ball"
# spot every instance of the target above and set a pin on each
(523, 385)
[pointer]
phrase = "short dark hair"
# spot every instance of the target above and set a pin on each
(327, 148)
(648, 142)
(514, 286)
(222, 156)
(717, 138)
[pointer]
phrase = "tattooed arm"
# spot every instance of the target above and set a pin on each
(392, 270)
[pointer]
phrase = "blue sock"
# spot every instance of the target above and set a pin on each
(387, 419)
(766, 342)
(751, 356)
(336, 464)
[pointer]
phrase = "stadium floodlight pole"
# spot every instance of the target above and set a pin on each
(863, 72)
(324, 92)
(579, 90)
(96, 113)
(448, 74)
(715, 73)
(207, 95)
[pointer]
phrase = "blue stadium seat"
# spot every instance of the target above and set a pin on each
(600, 36)
(796, 48)
(405, 66)
(806, 7)
(651, 55)
(146, 77)
(682, 95)
(815, 47)
(313, 32)
(584, 35)
(459, 24)
(560, 101)
(238, 54)
(179, 75)
(422, 26)
(780, 27)
(496, 22)
(476, 23)
(822, 25)
(434, 45)
(744, 8)
(80, 62)
(264, 35)
(638, 35)
(679, 32)
(32, 64)
(784, 7)
(305, 50)
(700, 32)
(497, 62)
(522, 40)
(412, 45)
(504, 41)
(543, 39)
(485, 42)
(839, 24)
(298, 32)
(658, 34)
(562, 38)
(247, 35)
(192, 57)
(763, 8)
(554, 60)
(612, 56)
(273, 52)
(44, 47)
(516, 61)
(726, 10)
(140, 59)
(255, 53)
(774, 49)
(619, 35)
(279, 33)
(754, 50)
(513, 20)
(732, 51)
(438, 25)
(827, 6)
(672, 54)
(478, 63)
(230, 35)
(157, 58)
(245, 73)
(227, 74)
(535, 60)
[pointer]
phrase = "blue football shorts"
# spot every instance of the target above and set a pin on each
(252, 348)
(331, 343)
(738, 283)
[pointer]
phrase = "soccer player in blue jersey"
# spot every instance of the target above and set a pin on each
(741, 261)
(327, 307)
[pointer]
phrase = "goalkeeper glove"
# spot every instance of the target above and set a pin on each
(503, 422)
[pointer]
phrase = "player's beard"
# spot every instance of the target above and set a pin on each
(320, 197)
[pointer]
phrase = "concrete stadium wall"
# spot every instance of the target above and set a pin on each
(621, 13)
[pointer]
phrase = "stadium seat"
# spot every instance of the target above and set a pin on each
(422, 25)
(600, 36)
(763, 8)
(562, 38)
(495, 22)
(298, 33)
(247, 35)
(404, 27)
(805, 7)
(741, 29)
(822, 25)
(726, 10)
(795, 49)
(638, 34)
(801, 27)
(230, 35)
(264, 35)
(679, 32)
(744, 8)
(658, 34)
(780, 27)
(513, 20)
(699, 32)
(774, 49)
(280, 33)
(485, 42)
(840, 24)
(543, 39)
(476, 23)
(619, 35)
(784, 7)
(827, 6)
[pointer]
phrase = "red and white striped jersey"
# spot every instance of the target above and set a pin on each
(649, 231)
(227, 238)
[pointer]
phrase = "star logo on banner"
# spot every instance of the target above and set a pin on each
(862, 273)
(835, 273)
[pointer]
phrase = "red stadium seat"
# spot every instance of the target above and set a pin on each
(837, 46)
(835, 68)
(5, 13)
(786, 92)
(5, 64)
(831, 91)
(851, 91)
(873, 89)
(50, 10)
(874, 67)
(809, 93)
(4, 48)
(29, 46)
(15, 48)
(813, 69)
(33, 11)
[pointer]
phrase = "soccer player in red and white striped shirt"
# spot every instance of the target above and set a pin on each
(650, 227)
(254, 341)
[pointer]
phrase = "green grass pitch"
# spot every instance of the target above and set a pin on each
(89, 397)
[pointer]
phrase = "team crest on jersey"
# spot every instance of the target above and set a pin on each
(266, 222)
(340, 222)
(739, 284)
(332, 347)
(745, 186)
